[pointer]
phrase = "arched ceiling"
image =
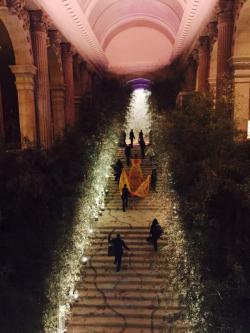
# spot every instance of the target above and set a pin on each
(131, 37)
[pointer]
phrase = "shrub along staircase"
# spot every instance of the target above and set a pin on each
(136, 299)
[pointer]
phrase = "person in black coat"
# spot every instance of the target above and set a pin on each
(127, 152)
(142, 145)
(118, 245)
(153, 178)
(124, 196)
(123, 138)
(141, 137)
(155, 232)
(131, 137)
(118, 170)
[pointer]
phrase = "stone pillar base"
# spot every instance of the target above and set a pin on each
(27, 115)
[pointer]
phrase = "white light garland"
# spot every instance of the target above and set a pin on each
(90, 206)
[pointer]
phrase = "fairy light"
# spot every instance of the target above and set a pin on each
(84, 260)
(76, 295)
(91, 231)
(73, 257)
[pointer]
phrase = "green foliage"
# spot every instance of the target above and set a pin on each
(211, 175)
(38, 201)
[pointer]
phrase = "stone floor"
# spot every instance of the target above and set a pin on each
(136, 299)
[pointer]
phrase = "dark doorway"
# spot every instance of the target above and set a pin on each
(9, 116)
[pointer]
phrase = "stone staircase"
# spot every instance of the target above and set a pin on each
(151, 202)
(135, 300)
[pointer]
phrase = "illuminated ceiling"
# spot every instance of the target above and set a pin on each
(129, 36)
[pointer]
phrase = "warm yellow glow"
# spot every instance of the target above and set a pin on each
(248, 129)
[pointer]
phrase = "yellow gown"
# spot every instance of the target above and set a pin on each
(136, 184)
(135, 174)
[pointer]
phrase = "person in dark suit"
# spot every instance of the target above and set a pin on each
(141, 137)
(127, 152)
(118, 170)
(142, 146)
(131, 137)
(156, 232)
(124, 196)
(118, 245)
(153, 179)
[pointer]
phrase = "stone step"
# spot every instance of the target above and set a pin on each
(123, 284)
(112, 319)
(122, 287)
(125, 310)
(129, 228)
(103, 272)
(118, 329)
(125, 233)
(135, 208)
(118, 321)
(121, 293)
(126, 301)
(133, 250)
(130, 244)
(110, 269)
(125, 265)
(130, 279)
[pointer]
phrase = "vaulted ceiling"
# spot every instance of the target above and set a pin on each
(129, 37)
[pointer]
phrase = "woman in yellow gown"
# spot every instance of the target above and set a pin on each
(135, 174)
(137, 186)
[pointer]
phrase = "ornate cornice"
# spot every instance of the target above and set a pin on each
(66, 50)
(240, 62)
(212, 31)
(38, 21)
(225, 11)
(17, 7)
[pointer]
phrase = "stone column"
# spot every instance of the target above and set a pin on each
(225, 32)
(83, 77)
(39, 43)
(2, 129)
(27, 115)
(67, 63)
(77, 83)
(57, 95)
(241, 86)
(191, 72)
(203, 70)
(212, 33)
(57, 86)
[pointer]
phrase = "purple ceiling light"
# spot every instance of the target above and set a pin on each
(139, 83)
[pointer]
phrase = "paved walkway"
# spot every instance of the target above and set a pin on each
(136, 299)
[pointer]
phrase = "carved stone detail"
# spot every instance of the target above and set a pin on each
(17, 7)
(55, 40)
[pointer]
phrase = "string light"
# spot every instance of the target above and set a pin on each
(70, 259)
(84, 259)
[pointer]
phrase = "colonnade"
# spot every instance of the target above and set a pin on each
(214, 66)
(50, 83)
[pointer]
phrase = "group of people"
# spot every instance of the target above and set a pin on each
(118, 244)
(128, 148)
(118, 167)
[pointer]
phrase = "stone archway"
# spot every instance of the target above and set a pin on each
(9, 118)
(16, 22)
(57, 86)
(241, 68)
